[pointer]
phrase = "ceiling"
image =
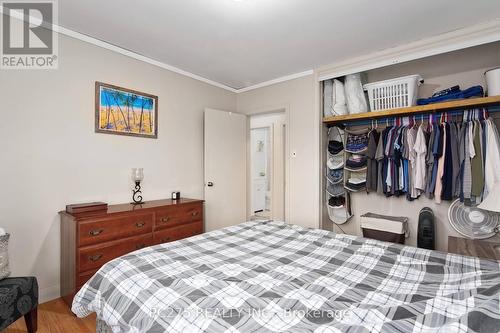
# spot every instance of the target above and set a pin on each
(240, 43)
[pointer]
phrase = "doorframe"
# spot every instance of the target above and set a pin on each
(280, 108)
(205, 178)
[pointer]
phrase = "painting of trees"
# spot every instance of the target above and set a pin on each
(124, 111)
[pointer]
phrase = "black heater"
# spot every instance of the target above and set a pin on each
(426, 229)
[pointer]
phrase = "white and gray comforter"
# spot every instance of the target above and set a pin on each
(275, 277)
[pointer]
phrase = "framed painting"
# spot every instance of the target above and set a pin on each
(125, 112)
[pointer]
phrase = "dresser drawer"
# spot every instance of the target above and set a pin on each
(171, 216)
(179, 232)
(104, 230)
(93, 257)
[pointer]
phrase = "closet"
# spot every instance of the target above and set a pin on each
(463, 67)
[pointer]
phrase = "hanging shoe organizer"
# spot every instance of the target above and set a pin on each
(355, 160)
(337, 198)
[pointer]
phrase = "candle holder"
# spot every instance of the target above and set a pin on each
(137, 177)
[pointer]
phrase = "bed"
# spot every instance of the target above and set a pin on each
(277, 277)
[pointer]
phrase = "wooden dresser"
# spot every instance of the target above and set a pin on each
(474, 248)
(89, 240)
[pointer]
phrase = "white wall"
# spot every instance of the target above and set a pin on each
(297, 98)
(52, 157)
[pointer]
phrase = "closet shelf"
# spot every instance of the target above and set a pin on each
(414, 110)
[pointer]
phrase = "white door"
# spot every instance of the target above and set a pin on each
(225, 169)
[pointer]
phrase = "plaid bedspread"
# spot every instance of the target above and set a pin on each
(275, 277)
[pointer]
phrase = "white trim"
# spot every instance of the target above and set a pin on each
(451, 41)
(274, 81)
(132, 54)
(140, 57)
(278, 108)
(48, 294)
(137, 56)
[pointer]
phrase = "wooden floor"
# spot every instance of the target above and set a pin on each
(55, 316)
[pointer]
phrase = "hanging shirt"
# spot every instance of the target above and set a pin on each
(385, 161)
(379, 156)
(388, 151)
(420, 149)
(396, 156)
(447, 192)
(411, 136)
(467, 172)
(454, 139)
(430, 161)
(437, 150)
(440, 169)
(461, 158)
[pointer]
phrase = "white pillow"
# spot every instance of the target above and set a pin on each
(339, 105)
(355, 96)
(4, 256)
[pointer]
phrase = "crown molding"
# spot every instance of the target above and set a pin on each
(132, 54)
(140, 57)
(118, 49)
(475, 35)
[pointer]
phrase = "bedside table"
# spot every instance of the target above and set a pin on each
(474, 247)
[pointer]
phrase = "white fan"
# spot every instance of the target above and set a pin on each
(473, 222)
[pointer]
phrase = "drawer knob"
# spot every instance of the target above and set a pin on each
(95, 232)
(95, 257)
(194, 213)
(166, 239)
(140, 224)
(140, 246)
(164, 219)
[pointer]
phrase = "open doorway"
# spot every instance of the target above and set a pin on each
(267, 166)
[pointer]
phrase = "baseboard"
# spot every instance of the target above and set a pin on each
(48, 294)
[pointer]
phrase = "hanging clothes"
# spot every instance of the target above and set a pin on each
(430, 161)
(467, 171)
(447, 179)
(461, 159)
(440, 169)
(379, 157)
(437, 151)
(412, 157)
(420, 149)
(454, 139)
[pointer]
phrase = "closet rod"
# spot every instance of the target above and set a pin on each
(418, 117)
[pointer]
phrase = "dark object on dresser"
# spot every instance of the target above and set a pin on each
(474, 247)
(19, 297)
(90, 239)
(86, 207)
(426, 230)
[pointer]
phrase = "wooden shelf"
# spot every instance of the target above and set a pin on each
(414, 110)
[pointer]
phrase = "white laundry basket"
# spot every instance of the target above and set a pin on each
(395, 93)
